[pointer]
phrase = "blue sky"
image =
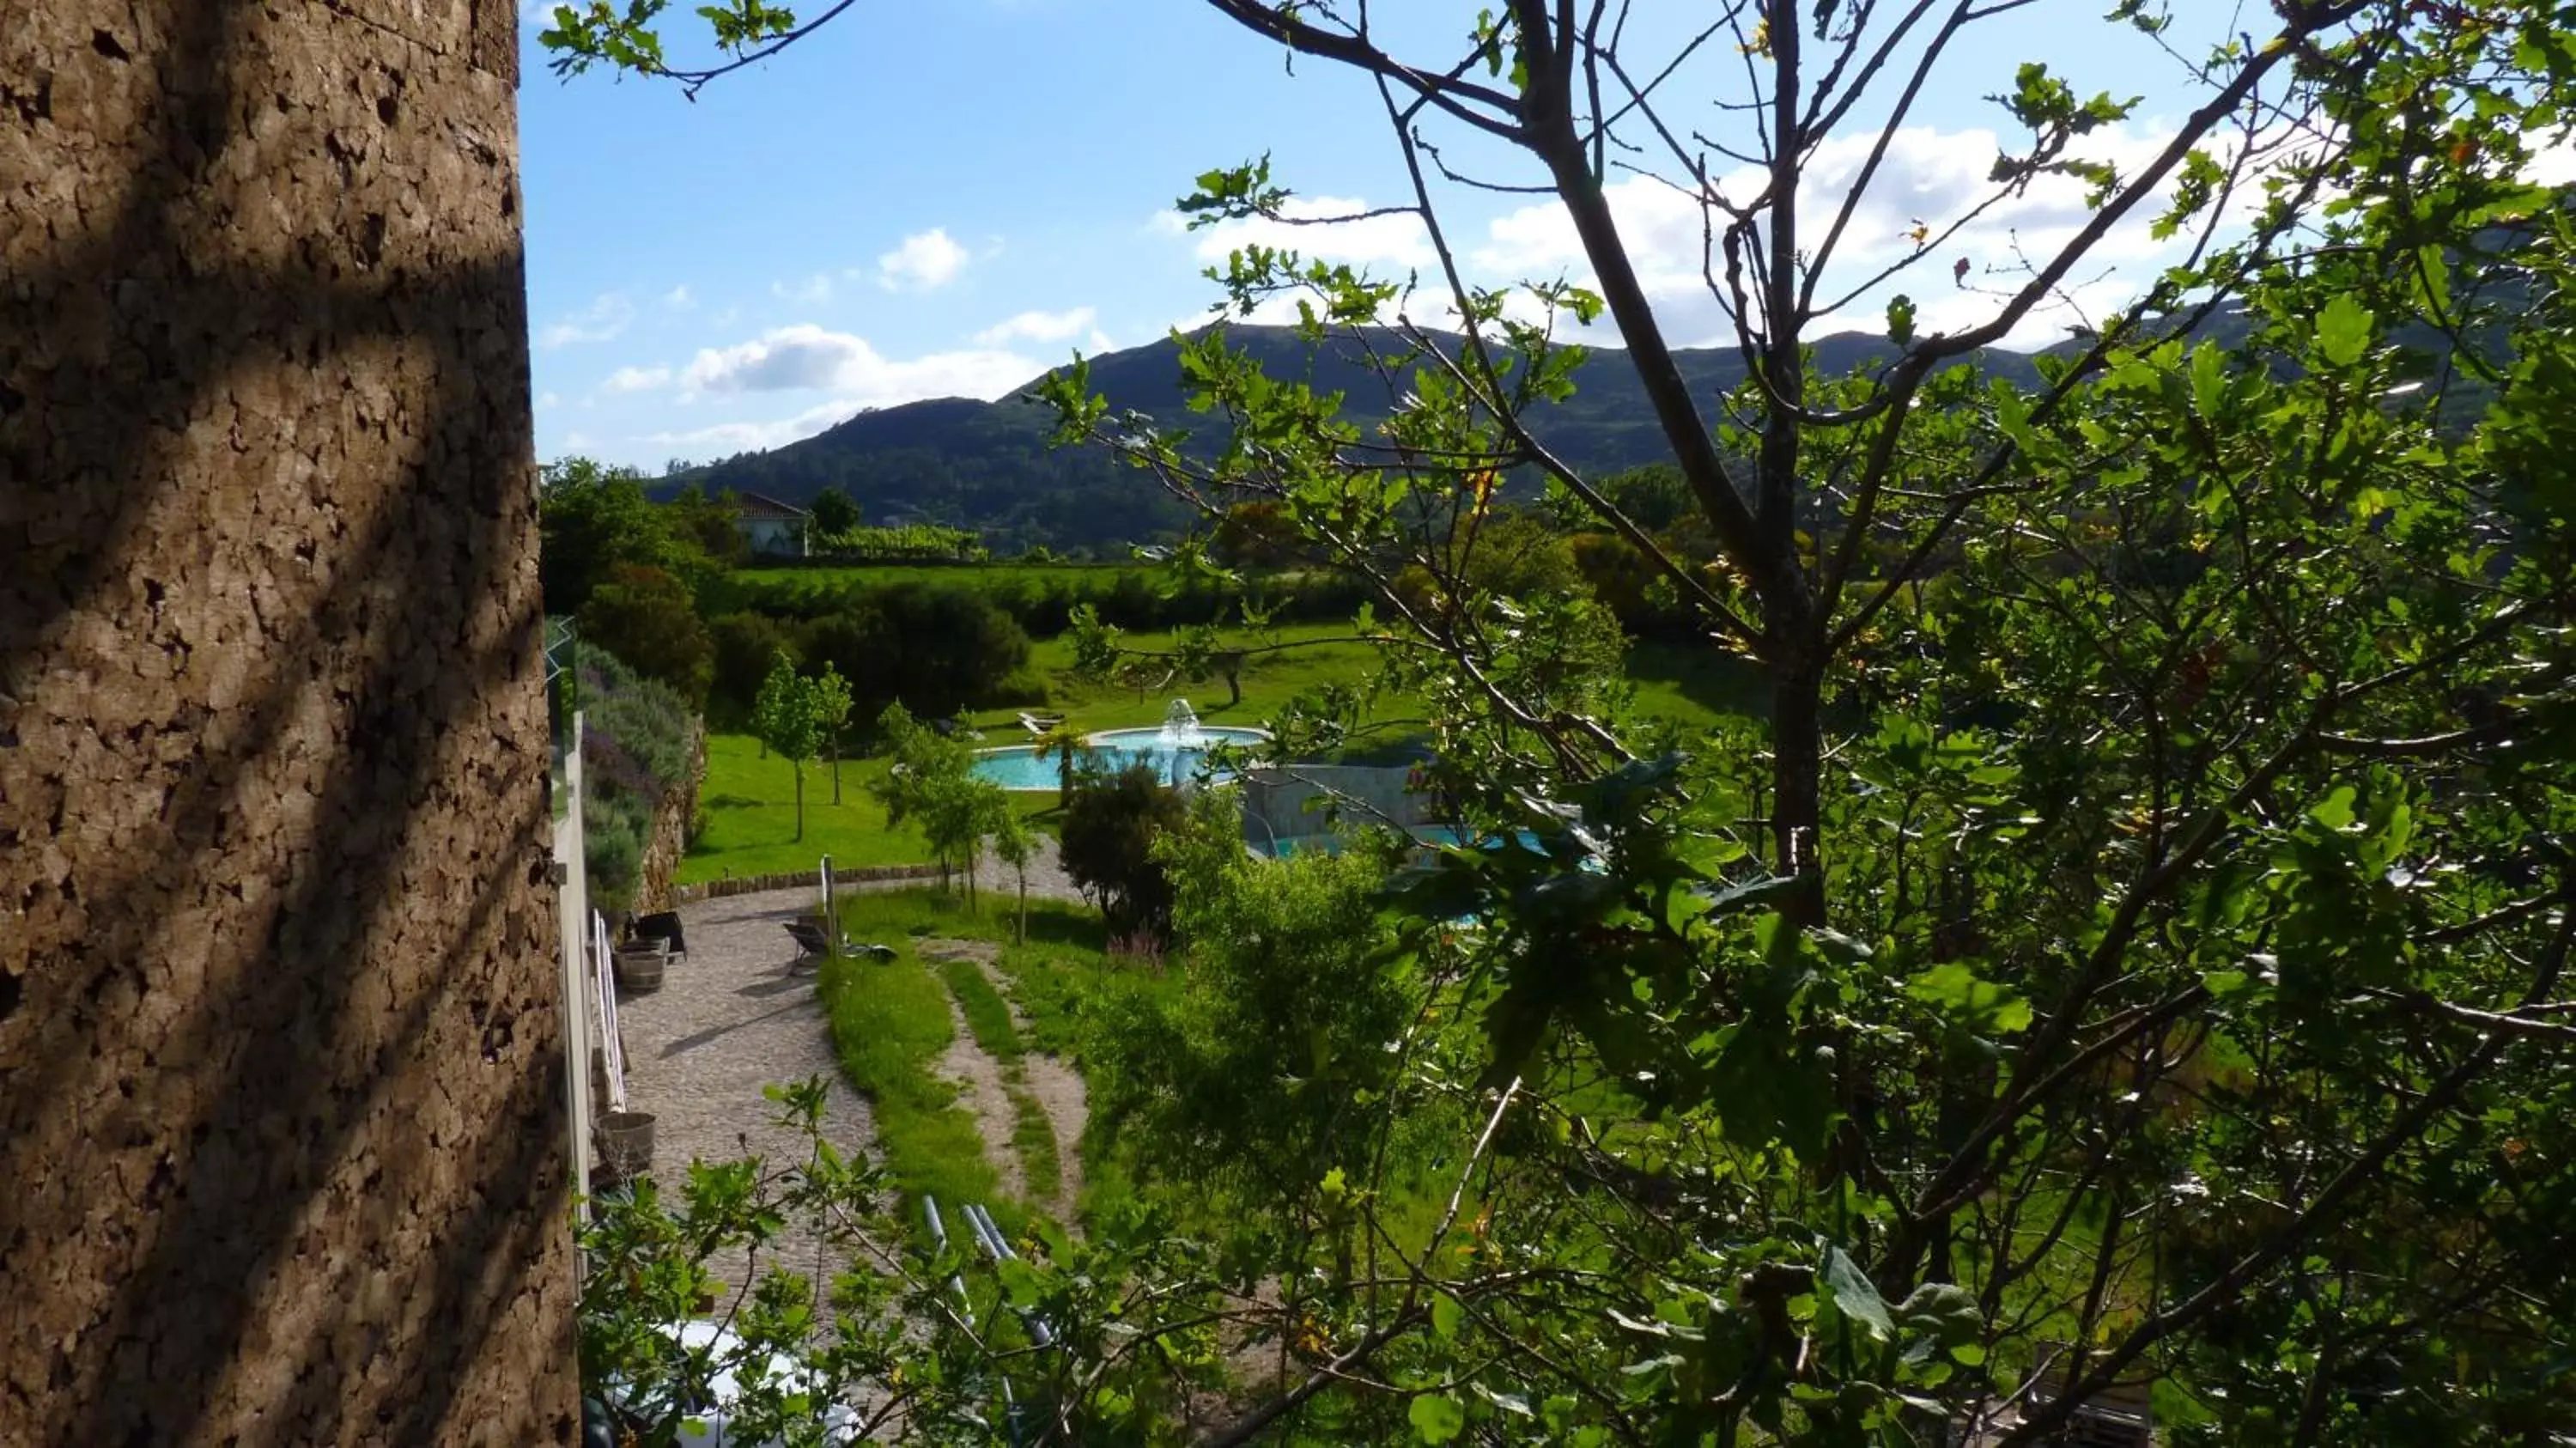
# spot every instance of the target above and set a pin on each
(946, 197)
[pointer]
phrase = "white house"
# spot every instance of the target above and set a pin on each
(770, 526)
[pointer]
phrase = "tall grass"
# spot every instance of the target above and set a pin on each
(890, 1025)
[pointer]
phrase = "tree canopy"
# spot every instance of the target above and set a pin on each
(2127, 944)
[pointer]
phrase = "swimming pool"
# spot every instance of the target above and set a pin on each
(1428, 836)
(1019, 766)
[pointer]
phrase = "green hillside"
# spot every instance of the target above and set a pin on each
(987, 465)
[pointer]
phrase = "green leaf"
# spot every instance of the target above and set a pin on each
(1945, 1310)
(1446, 1315)
(1437, 1418)
(2343, 330)
(2208, 381)
(1855, 1296)
(2335, 810)
(1957, 991)
(1900, 319)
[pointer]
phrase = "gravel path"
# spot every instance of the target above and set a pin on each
(1047, 879)
(726, 1022)
(730, 1020)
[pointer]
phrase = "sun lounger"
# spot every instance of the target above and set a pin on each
(812, 946)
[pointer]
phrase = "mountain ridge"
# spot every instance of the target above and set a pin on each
(962, 462)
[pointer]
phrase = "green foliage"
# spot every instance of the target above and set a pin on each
(795, 714)
(1112, 824)
(834, 513)
(745, 647)
(591, 518)
(646, 617)
(932, 784)
(934, 649)
(1267, 1064)
(612, 851)
(2138, 919)
(639, 745)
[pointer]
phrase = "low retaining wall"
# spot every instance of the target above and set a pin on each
(669, 838)
(798, 879)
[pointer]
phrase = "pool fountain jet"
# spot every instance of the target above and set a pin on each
(1182, 737)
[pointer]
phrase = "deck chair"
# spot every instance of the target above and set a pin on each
(811, 944)
(665, 927)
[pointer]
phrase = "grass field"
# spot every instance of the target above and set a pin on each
(749, 804)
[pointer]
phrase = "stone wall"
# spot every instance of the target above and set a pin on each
(669, 838)
(282, 1136)
(799, 880)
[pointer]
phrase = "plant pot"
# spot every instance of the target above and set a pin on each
(639, 972)
(623, 1142)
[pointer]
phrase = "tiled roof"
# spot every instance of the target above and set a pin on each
(761, 505)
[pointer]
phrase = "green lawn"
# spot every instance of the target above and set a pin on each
(748, 801)
(890, 1024)
(1695, 686)
(1269, 681)
(749, 804)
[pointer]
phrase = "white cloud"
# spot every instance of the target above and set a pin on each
(759, 436)
(636, 379)
(1929, 177)
(1395, 239)
(547, 400)
(677, 299)
(603, 320)
(810, 358)
(926, 260)
(1041, 327)
(816, 288)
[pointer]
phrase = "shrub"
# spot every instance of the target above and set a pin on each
(1283, 1018)
(746, 644)
(639, 743)
(612, 851)
(936, 649)
(647, 618)
(1111, 825)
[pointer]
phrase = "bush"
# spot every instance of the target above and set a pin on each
(936, 649)
(648, 618)
(612, 851)
(1283, 1019)
(639, 743)
(746, 644)
(1112, 823)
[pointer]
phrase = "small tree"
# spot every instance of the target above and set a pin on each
(788, 717)
(1067, 743)
(834, 513)
(831, 700)
(933, 786)
(1015, 844)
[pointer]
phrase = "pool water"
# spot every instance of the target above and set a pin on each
(1019, 767)
(1429, 836)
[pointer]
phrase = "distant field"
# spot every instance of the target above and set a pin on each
(1691, 686)
(1269, 681)
(790, 588)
